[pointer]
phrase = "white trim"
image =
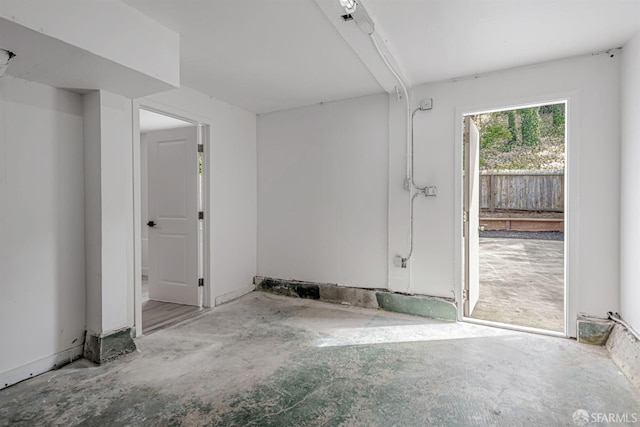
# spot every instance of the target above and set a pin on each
(41, 366)
(168, 110)
(571, 197)
(137, 218)
(234, 294)
(208, 218)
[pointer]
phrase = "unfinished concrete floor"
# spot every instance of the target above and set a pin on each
(267, 360)
(522, 282)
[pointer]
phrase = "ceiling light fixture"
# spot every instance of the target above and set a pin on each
(357, 13)
(5, 57)
(349, 5)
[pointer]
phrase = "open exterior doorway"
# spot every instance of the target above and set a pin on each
(171, 220)
(514, 217)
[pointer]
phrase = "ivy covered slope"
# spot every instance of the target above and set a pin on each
(529, 138)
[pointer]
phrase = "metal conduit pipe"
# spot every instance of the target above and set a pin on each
(409, 183)
(409, 177)
(426, 190)
(414, 189)
(616, 318)
(364, 21)
(404, 260)
(420, 108)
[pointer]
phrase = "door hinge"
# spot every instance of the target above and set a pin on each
(201, 215)
(200, 148)
(201, 282)
(465, 294)
(465, 216)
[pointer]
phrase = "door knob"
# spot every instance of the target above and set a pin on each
(151, 224)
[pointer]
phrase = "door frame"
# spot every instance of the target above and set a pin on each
(571, 180)
(135, 307)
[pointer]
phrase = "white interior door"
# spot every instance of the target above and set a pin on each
(173, 215)
(472, 212)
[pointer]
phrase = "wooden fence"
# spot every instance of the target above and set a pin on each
(526, 190)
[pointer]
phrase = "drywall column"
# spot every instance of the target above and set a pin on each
(629, 178)
(108, 224)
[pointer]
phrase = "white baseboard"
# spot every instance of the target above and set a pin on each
(234, 294)
(39, 366)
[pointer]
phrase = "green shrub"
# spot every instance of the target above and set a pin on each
(513, 128)
(558, 119)
(530, 126)
(494, 135)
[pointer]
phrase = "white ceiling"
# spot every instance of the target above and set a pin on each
(150, 121)
(261, 55)
(46, 59)
(269, 55)
(435, 40)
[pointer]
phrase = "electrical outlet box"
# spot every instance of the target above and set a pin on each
(397, 261)
(431, 191)
(426, 104)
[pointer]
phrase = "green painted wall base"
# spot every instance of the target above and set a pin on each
(432, 308)
(103, 348)
(594, 331)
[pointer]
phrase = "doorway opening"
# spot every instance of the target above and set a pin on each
(514, 217)
(171, 219)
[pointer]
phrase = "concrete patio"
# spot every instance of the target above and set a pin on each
(522, 282)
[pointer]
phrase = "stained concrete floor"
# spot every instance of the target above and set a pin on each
(267, 360)
(522, 282)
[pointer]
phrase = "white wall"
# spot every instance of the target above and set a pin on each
(592, 85)
(323, 207)
(231, 155)
(322, 192)
(42, 294)
(630, 177)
